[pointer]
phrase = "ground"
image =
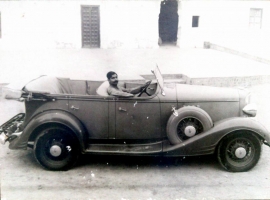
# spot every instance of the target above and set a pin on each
(25, 65)
(127, 178)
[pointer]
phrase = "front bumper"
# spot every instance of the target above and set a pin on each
(4, 138)
(11, 129)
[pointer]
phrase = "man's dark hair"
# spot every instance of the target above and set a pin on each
(110, 74)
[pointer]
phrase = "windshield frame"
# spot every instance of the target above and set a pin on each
(159, 79)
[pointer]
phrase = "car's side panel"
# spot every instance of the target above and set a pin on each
(187, 93)
(216, 110)
(219, 103)
(111, 120)
(93, 113)
(34, 107)
(167, 103)
(138, 118)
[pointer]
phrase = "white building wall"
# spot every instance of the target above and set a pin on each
(131, 23)
(40, 24)
(57, 24)
(223, 22)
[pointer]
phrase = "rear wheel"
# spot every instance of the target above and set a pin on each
(239, 152)
(56, 148)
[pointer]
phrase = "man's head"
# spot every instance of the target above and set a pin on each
(112, 78)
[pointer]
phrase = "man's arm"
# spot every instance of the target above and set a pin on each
(136, 90)
(121, 92)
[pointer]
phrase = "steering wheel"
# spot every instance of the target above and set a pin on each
(144, 88)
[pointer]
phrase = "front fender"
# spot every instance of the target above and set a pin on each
(53, 116)
(245, 123)
(206, 143)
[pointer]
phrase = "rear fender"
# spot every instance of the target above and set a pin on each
(206, 143)
(45, 119)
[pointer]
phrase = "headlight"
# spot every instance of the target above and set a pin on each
(250, 109)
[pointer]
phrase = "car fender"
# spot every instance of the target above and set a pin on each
(206, 143)
(52, 116)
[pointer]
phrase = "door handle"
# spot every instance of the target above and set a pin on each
(74, 108)
(122, 109)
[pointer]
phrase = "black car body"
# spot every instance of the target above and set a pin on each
(65, 118)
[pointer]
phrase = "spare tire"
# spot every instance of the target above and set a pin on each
(190, 121)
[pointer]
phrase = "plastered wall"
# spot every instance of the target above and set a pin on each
(222, 22)
(132, 24)
(57, 24)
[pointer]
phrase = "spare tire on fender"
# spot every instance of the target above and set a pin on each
(187, 122)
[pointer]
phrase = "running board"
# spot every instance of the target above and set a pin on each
(125, 148)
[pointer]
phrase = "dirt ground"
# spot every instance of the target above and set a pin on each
(127, 178)
(93, 64)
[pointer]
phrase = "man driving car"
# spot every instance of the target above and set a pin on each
(116, 90)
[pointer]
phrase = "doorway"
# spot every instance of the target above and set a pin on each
(90, 26)
(168, 22)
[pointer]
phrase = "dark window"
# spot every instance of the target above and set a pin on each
(195, 21)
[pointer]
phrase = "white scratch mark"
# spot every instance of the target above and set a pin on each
(68, 148)
(174, 111)
(135, 103)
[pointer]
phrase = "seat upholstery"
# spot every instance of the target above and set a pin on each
(45, 84)
(102, 89)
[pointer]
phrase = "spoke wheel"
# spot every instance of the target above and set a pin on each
(239, 152)
(189, 127)
(187, 122)
(56, 148)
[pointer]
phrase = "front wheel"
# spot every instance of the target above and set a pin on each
(239, 152)
(56, 148)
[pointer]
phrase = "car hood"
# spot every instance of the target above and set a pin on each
(197, 93)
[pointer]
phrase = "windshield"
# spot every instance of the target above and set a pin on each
(159, 78)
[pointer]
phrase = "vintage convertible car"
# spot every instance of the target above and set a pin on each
(65, 118)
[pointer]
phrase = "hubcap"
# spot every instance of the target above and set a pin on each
(55, 150)
(240, 152)
(190, 131)
(189, 127)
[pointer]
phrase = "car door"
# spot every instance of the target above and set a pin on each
(93, 112)
(137, 118)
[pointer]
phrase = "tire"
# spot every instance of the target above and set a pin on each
(239, 152)
(56, 148)
(190, 119)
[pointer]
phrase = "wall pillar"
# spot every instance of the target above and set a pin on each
(178, 43)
